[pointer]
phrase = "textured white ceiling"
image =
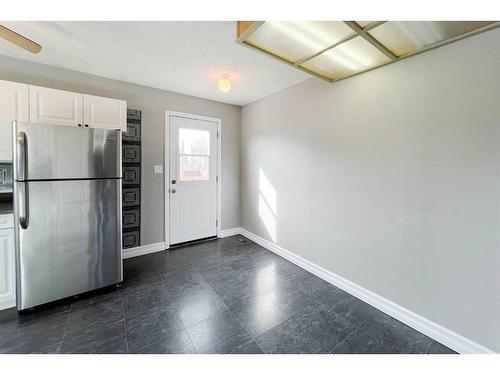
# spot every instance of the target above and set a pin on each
(185, 57)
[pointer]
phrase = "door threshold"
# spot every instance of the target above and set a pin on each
(192, 242)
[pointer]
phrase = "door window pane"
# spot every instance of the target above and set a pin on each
(193, 168)
(194, 154)
(194, 142)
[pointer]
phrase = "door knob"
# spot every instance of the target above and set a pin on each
(173, 182)
(173, 191)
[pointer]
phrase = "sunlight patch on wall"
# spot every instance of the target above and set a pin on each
(267, 204)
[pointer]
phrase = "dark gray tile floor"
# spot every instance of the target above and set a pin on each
(224, 296)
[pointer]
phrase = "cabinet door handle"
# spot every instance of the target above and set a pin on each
(86, 125)
(79, 124)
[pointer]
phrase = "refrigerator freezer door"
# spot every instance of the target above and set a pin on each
(72, 240)
(51, 152)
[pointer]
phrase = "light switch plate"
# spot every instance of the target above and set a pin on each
(158, 169)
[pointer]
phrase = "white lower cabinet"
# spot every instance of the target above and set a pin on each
(7, 268)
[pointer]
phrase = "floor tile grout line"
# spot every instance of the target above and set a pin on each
(249, 341)
(125, 324)
(267, 330)
(177, 311)
(428, 347)
(275, 306)
(60, 347)
(282, 322)
(211, 316)
(65, 329)
(340, 315)
(254, 337)
(348, 336)
(213, 290)
(316, 300)
(242, 326)
(258, 346)
(159, 339)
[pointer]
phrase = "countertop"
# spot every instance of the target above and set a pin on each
(6, 205)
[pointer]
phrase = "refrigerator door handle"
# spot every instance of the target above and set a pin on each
(21, 151)
(22, 204)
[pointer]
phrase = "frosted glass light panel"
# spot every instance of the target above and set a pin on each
(293, 40)
(363, 24)
(346, 59)
(403, 37)
(194, 154)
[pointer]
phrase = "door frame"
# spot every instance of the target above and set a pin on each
(166, 164)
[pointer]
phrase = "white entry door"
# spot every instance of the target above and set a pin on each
(193, 179)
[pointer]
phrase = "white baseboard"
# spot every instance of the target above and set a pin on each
(229, 232)
(142, 250)
(160, 246)
(7, 304)
(435, 331)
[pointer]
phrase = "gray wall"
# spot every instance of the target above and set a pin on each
(153, 104)
(390, 179)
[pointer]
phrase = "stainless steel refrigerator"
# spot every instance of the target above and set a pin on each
(67, 209)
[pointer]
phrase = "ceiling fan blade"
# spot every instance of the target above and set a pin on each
(19, 40)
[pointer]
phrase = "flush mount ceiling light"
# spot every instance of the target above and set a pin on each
(334, 50)
(224, 83)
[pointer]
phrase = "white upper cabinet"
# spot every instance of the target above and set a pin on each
(55, 107)
(42, 105)
(58, 107)
(13, 106)
(104, 113)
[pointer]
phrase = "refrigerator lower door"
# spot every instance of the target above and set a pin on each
(68, 241)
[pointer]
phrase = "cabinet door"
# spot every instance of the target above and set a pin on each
(55, 107)
(13, 106)
(104, 113)
(7, 269)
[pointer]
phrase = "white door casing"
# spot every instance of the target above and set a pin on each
(192, 178)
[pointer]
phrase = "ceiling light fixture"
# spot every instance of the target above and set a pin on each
(334, 50)
(224, 83)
